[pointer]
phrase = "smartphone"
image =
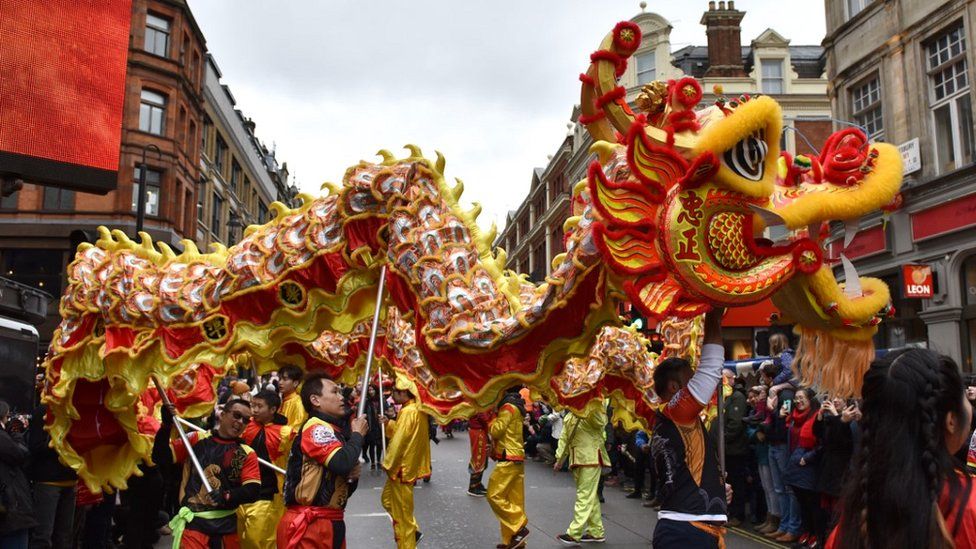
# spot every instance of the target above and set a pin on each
(788, 405)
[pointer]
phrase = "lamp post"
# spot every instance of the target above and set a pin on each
(141, 205)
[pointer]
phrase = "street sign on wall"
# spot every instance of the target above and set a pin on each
(910, 158)
(917, 281)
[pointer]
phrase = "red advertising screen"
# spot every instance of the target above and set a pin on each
(62, 85)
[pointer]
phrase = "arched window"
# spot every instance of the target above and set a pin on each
(152, 112)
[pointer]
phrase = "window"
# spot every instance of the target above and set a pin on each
(854, 7)
(40, 268)
(866, 108)
(558, 187)
(235, 176)
(219, 154)
(153, 178)
(772, 76)
(201, 192)
(157, 35)
(9, 202)
(215, 214)
(205, 135)
(950, 102)
(539, 205)
(556, 241)
(646, 69)
(523, 226)
(262, 213)
(58, 199)
(539, 267)
(152, 112)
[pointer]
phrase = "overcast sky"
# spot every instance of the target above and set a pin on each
(489, 84)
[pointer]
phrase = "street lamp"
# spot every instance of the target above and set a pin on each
(233, 223)
(141, 207)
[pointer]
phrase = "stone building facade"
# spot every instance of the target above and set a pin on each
(900, 69)
(240, 177)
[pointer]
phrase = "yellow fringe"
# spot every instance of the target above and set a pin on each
(835, 365)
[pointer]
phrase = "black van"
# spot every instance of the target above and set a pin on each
(18, 364)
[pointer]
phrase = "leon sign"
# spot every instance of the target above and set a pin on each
(917, 280)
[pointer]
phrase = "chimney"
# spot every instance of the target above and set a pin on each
(724, 40)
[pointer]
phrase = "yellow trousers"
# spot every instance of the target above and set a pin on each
(586, 512)
(397, 499)
(257, 523)
(506, 496)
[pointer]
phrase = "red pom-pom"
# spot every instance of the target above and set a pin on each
(686, 91)
(626, 37)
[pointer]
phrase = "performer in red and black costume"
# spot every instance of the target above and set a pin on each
(692, 492)
(323, 470)
(270, 436)
(209, 520)
(478, 437)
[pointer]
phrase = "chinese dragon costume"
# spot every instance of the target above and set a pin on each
(670, 218)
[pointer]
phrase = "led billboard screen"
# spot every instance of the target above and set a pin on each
(62, 86)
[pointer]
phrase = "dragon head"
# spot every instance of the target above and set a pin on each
(681, 196)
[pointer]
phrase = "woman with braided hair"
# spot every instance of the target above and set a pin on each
(906, 488)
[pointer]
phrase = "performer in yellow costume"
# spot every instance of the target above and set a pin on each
(407, 459)
(290, 379)
(583, 440)
(506, 486)
(271, 439)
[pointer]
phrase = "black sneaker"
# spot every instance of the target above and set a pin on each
(518, 540)
(419, 536)
(592, 539)
(634, 495)
(477, 491)
(567, 539)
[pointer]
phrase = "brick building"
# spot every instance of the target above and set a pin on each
(794, 75)
(901, 70)
(165, 110)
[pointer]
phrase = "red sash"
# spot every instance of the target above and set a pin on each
(297, 521)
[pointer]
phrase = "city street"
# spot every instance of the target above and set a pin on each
(450, 519)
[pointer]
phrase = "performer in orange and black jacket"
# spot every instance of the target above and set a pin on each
(271, 438)
(209, 519)
(323, 470)
(478, 437)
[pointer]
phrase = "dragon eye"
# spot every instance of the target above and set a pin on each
(748, 157)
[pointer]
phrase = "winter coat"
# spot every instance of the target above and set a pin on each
(804, 447)
(736, 438)
(777, 432)
(44, 466)
(372, 408)
(15, 494)
(836, 452)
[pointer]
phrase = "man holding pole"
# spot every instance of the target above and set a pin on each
(583, 441)
(220, 473)
(323, 470)
(506, 486)
(690, 487)
(407, 459)
(271, 439)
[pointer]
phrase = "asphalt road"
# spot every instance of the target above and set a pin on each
(450, 519)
